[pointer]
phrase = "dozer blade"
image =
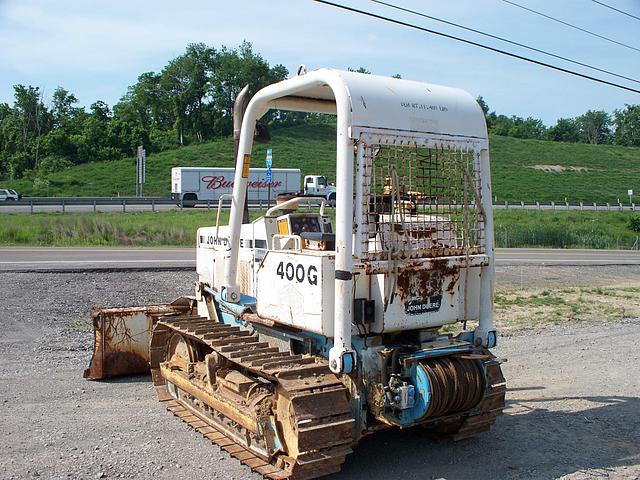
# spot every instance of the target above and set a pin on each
(121, 337)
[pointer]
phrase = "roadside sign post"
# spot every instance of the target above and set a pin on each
(269, 177)
(140, 170)
(630, 193)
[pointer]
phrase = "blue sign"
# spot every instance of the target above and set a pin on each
(269, 160)
(269, 176)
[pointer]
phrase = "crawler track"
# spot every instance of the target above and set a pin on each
(310, 404)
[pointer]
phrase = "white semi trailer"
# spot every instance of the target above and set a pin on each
(190, 184)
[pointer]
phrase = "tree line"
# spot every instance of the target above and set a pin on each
(622, 127)
(191, 100)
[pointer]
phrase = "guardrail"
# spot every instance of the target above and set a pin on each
(62, 204)
(594, 206)
(32, 204)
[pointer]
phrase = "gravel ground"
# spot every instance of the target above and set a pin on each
(573, 402)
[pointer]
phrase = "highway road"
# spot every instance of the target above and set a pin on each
(92, 258)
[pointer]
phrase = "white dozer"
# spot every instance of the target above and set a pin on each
(309, 330)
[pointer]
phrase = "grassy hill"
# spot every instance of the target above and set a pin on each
(528, 170)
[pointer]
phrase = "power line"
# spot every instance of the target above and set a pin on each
(533, 49)
(469, 42)
(614, 8)
(571, 25)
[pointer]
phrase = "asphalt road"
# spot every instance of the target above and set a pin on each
(91, 258)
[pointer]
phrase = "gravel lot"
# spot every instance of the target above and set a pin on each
(573, 401)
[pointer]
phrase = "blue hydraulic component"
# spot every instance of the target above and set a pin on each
(347, 362)
(246, 302)
(409, 392)
(492, 339)
(422, 397)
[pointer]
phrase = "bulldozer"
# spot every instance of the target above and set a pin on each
(310, 328)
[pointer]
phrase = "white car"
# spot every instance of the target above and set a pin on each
(8, 194)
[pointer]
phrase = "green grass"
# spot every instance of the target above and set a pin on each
(564, 229)
(513, 228)
(610, 170)
(532, 308)
(307, 148)
(175, 228)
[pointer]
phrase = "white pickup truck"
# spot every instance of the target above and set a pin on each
(8, 194)
(318, 186)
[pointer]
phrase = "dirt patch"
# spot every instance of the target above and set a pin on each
(535, 308)
(560, 168)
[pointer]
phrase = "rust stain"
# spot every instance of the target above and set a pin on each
(415, 280)
(122, 335)
(124, 363)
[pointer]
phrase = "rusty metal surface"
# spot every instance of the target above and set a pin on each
(420, 201)
(484, 415)
(121, 337)
(457, 384)
(298, 394)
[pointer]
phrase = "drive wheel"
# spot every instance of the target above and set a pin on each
(181, 352)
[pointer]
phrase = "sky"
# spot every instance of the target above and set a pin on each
(96, 49)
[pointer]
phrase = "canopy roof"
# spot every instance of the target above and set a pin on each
(378, 102)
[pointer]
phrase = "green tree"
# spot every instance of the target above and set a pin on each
(359, 70)
(528, 128)
(186, 80)
(483, 105)
(627, 126)
(565, 130)
(65, 114)
(21, 131)
(67, 125)
(236, 68)
(95, 142)
(594, 127)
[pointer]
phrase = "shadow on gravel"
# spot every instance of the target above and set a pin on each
(526, 442)
(126, 379)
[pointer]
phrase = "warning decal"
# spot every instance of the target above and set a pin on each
(245, 165)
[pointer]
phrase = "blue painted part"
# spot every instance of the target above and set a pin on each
(347, 362)
(467, 336)
(357, 343)
(320, 343)
(246, 302)
(229, 319)
(422, 397)
(360, 415)
(492, 339)
(440, 352)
